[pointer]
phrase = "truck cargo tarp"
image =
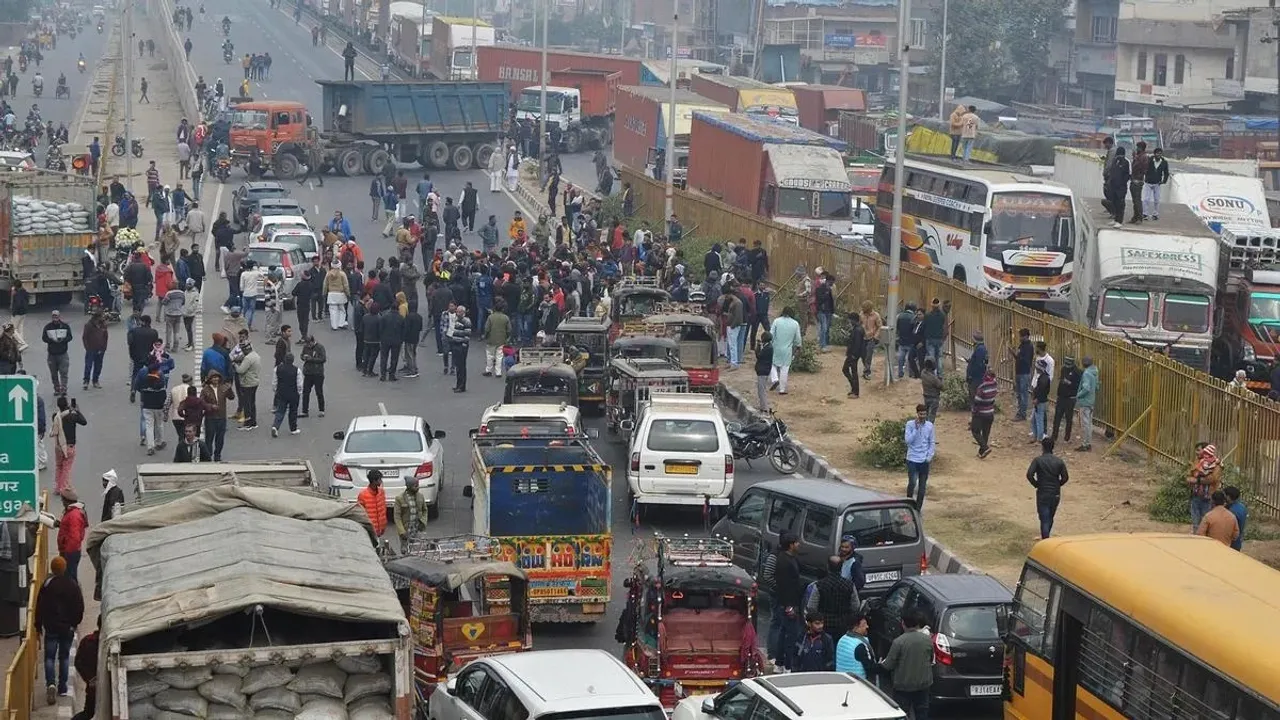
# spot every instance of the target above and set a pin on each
(807, 166)
(450, 575)
(929, 136)
(224, 549)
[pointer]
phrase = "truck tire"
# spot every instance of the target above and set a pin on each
(572, 142)
(481, 154)
(349, 163)
(286, 166)
(461, 156)
(438, 154)
(376, 161)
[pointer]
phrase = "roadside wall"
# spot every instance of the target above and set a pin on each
(157, 22)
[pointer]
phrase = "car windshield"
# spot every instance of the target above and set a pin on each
(621, 713)
(1186, 313)
(383, 441)
(677, 435)
(1264, 307)
(1029, 221)
(872, 527)
(1125, 308)
(250, 119)
(975, 622)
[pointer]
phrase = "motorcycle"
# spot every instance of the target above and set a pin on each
(37, 89)
(227, 56)
(222, 170)
(117, 147)
(764, 438)
(80, 66)
(99, 28)
(54, 159)
(62, 91)
(135, 147)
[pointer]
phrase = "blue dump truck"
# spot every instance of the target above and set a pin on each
(547, 501)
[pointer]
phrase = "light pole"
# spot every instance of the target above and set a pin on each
(670, 165)
(126, 54)
(942, 75)
(899, 175)
(542, 119)
(475, 22)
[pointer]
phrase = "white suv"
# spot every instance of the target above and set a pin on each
(680, 452)
(807, 695)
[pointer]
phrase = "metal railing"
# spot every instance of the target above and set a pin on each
(20, 678)
(1143, 397)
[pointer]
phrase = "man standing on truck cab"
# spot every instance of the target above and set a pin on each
(349, 62)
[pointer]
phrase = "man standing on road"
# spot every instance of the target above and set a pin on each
(57, 336)
(288, 382)
(983, 409)
(922, 444)
(470, 200)
(835, 598)
(460, 343)
(314, 358)
(153, 392)
(410, 512)
(1065, 407)
(59, 609)
(390, 338)
(910, 662)
(1047, 474)
(349, 62)
(788, 596)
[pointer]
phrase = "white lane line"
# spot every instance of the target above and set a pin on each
(311, 186)
(199, 322)
(382, 408)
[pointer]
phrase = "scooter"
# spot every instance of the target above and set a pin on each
(99, 28)
(37, 89)
(54, 159)
(135, 147)
(117, 147)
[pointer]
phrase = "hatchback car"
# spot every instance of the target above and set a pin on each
(966, 615)
(401, 446)
(249, 193)
(289, 258)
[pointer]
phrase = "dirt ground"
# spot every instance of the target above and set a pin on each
(982, 509)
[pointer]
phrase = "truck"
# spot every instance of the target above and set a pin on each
(548, 502)
(366, 124)
(451, 41)
(410, 47)
(47, 219)
(640, 130)
(819, 106)
(753, 98)
(580, 108)
(161, 482)
(255, 595)
(793, 176)
(520, 66)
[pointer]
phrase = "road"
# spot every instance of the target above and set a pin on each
(62, 61)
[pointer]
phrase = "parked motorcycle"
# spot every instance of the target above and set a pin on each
(135, 147)
(118, 147)
(764, 438)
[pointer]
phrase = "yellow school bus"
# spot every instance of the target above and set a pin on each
(1144, 626)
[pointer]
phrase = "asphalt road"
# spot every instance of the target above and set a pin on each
(62, 61)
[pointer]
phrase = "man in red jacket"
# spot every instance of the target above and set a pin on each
(71, 531)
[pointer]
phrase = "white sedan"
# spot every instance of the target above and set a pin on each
(401, 446)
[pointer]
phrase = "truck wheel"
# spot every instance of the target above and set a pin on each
(286, 166)
(350, 163)
(462, 157)
(572, 142)
(482, 153)
(438, 154)
(376, 161)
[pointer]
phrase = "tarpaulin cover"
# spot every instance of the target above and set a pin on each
(929, 136)
(449, 575)
(1252, 122)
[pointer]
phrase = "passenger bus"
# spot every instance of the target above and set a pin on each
(1009, 235)
(1145, 626)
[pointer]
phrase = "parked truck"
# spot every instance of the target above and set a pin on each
(548, 501)
(452, 39)
(520, 66)
(161, 482)
(819, 106)
(786, 173)
(248, 600)
(640, 131)
(581, 105)
(47, 219)
(366, 124)
(753, 98)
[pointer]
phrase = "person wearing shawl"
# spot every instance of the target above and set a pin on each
(112, 496)
(1203, 480)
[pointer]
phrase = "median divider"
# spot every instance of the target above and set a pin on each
(160, 17)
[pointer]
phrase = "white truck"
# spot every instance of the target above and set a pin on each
(452, 39)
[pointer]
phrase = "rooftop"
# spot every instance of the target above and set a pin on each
(766, 132)
(663, 94)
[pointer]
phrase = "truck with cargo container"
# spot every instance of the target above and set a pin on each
(819, 106)
(47, 219)
(788, 174)
(452, 39)
(580, 108)
(364, 125)
(411, 48)
(640, 129)
(520, 66)
(243, 601)
(548, 501)
(753, 98)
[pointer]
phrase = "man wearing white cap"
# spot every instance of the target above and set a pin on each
(112, 496)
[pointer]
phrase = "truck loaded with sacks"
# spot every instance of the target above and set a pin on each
(46, 221)
(238, 602)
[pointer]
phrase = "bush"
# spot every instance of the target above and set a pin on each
(1172, 501)
(840, 329)
(805, 359)
(955, 392)
(885, 447)
(610, 210)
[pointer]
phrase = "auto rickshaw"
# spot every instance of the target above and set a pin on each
(696, 336)
(634, 298)
(461, 603)
(589, 335)
(689, 624)
(630, 380)
(644, 346)
(541, 375)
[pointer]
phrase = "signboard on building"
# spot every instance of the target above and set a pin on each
(839, 42)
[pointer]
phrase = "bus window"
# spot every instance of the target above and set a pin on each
(1031, 621)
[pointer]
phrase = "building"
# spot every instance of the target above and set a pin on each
(1092, 75)
(845, 45)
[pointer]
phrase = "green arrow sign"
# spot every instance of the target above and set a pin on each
(19, 474)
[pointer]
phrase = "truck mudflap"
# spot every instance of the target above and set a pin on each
(568, 574)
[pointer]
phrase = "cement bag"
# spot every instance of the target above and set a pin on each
(170, 715)
(143, 685)
(323, 709)
(185, 678)
(276, 698)
(364, 685)
(266, 676)
(223, 690)
(226, 712)
(187, 702)
(273, 715)
(371, 708)
(230, 669)
(360, 664)
(324, 679)
(142, 710)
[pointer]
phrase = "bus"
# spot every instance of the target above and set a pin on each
(1148, 626)
(1003, 233)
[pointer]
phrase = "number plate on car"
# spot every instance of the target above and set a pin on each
(887, 576)
(984, 690)
(680, 469)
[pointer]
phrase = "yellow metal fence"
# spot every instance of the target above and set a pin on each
(1163, 406)
(19, 680)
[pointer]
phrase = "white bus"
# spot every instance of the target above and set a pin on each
(1002, 232)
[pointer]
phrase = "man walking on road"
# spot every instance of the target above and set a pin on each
(1047, 474)
(59, 609)
(57, 336)
(921, 443)
(143, 87)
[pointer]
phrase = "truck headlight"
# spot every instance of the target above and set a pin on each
(1248, 355)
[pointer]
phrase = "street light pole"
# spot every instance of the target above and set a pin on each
(899, 176)
(942, 76)
(126, 55)
(542, 119)
(670, 165)
(475, 21)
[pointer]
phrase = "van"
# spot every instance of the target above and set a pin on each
(679, 452)
(887, 530)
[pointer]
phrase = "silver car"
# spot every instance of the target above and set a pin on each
(401, 446)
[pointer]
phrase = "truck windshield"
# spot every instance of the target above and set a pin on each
(1125, 309)
(832, 204)
(462, 58)
(794, 203)
(1186, 313)
(1264, 308)
(1029, 221)
(250, 119)
(531, 101)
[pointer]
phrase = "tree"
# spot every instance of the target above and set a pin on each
(15, 11)
(999, 49)
(1031, 26)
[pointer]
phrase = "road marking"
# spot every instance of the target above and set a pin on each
(382, 408)
(311, 186)
(198, 330)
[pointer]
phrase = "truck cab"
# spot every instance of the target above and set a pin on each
(580, 105)
(266, 125)
(564, 106)
(1251, 326)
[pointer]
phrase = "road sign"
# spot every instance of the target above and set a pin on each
(19, 474)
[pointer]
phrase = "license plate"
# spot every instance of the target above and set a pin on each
(593, 608)
(682, 469)
(984, 690)
(887, 576)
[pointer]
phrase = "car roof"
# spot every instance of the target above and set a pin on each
(282, 219)
(261, 185)
(826, 492)
(282, 247)
(825, 695)
(379, 422)
(549, 410)
(575, 679)
(962, 589)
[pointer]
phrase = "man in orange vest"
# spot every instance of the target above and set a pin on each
(374, 501)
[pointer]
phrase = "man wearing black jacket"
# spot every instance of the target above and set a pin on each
(788, 598)
(141, 340)
(1117, 187)
(1157, 176)
(1047, 474)
(1065, 407)
(358, 313)
(390, 337)
(191, 449)
(371, 330)
(303, 293)
(853, 350)
(412, 336)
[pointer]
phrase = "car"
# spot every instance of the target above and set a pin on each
(967, 615)
(262, 225)
(249, 193)
(16, 161)
(679, 453)
(306, 240)
(807, 695)
(546, 685)
(401, 446)
(287, 257)
(531, 419)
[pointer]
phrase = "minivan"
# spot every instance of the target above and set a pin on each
(679, 453)
(886, 529)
